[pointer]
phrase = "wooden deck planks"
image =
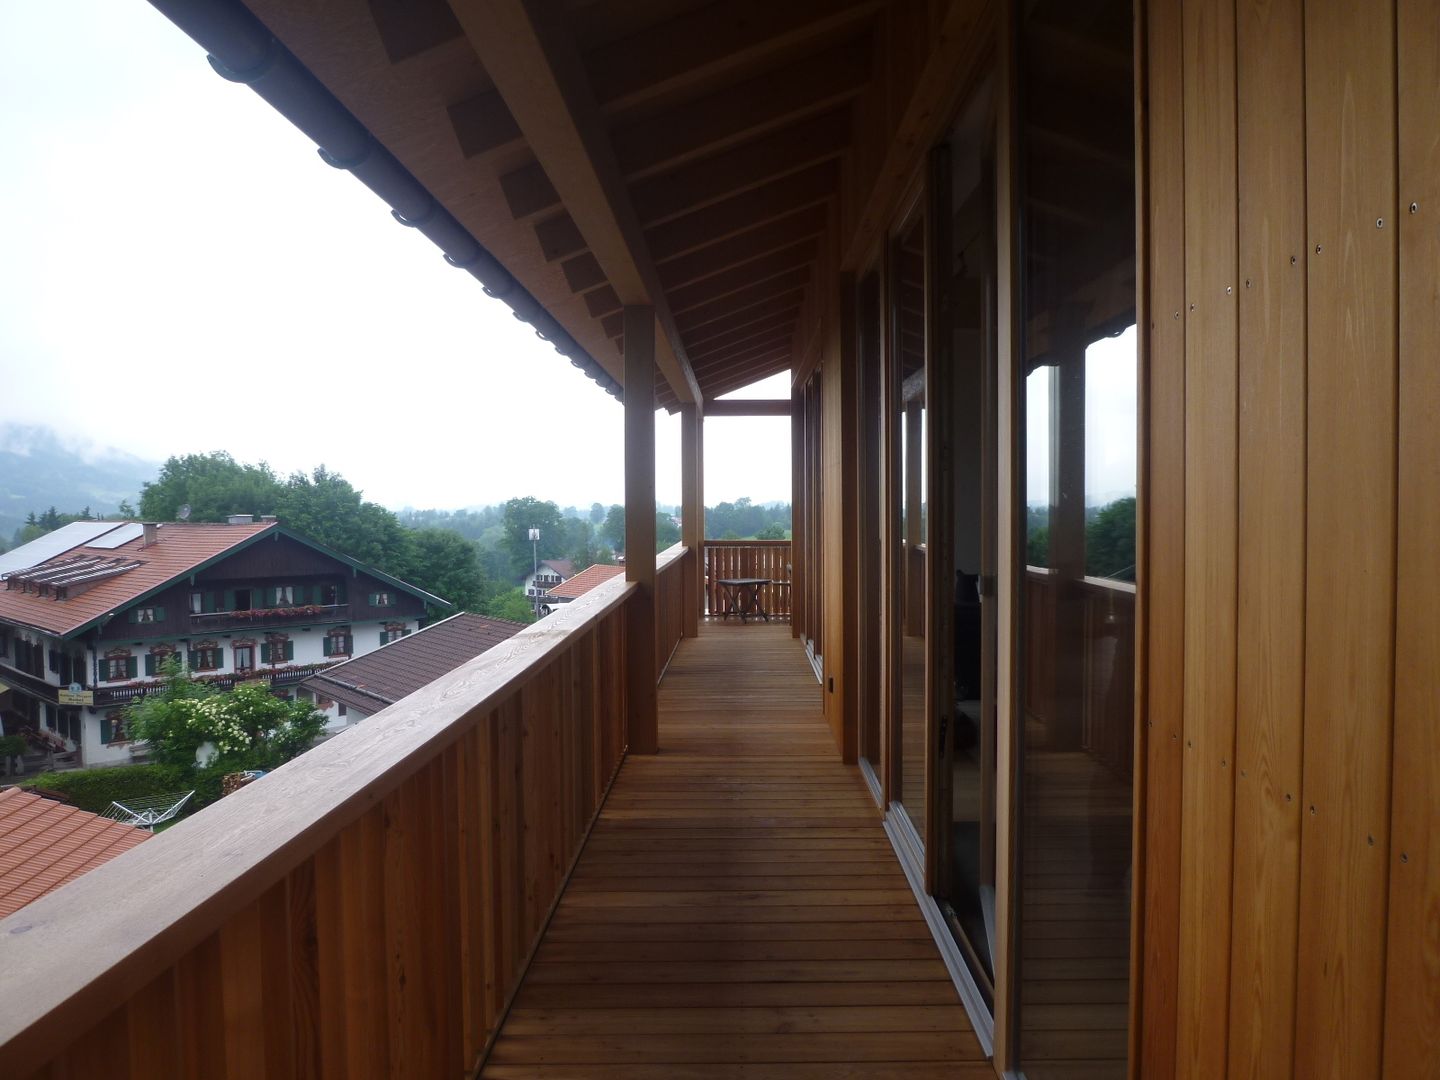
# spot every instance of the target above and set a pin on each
(738, 910)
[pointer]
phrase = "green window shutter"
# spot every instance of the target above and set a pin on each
(131, 666)
(373, 599)
(207, 601)
(192, 660)
(327, 643)
(105, 729)
(229, 600)
(384, 637)
(340, 593)
(265, 653)
(159, 614)
(150, 664)
(299, 594)
(289, 650)
(132, 615)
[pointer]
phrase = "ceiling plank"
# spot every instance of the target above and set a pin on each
(743, 246)
(787, 282)
(745, 317)
(768, 339)
(750, 374)
(701, 45)
(537, 70)
(740, 212)
(764, 328)
(742, 359)
(740, 168)
(746, 273)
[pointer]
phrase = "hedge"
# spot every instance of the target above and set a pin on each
(96, 789)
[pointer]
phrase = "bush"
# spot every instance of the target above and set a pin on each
(11, 746)
(96, 789)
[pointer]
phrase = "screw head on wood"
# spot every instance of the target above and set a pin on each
(1414, 208)
(1379, 223)
(1293, 260)
(1404, 857)
(1248, 283)
(1317, 249)
(1229, 289)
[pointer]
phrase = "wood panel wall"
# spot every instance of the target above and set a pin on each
(1291, 885)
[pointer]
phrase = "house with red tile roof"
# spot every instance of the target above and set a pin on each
(88, 620)
(45, 843)
(551, 572)
(578, 586)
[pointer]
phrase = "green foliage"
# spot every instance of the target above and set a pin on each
(249, 728)
(773, 531)
(1110, 541)
(742, 518)
(11, 746)
(667, 533)
(449, 565)
(511, 604)
(597, 514)
(522, 515)
(96, 789)
(613, 529)
(213, 485)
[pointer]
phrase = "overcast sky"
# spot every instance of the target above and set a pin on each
(179, 272)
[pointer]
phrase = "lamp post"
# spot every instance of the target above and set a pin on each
(535, 571)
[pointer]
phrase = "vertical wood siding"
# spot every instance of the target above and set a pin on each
(1286, 141)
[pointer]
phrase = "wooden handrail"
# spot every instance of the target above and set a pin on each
(749, 558)
(671, 567)
(382, 824)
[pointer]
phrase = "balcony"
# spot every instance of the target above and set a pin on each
(215, 622)
(479, 882)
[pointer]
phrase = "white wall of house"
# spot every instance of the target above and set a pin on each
(537, 583)
(309, 649)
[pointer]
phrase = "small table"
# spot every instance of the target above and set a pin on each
(742, 597)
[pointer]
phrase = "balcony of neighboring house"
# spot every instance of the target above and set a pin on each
(486, 884)
(283, 615)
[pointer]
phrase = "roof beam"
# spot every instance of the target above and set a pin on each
(742, 407)
(706, 43)
(740, 248)
(743, 274)
(746, 316)
(740, 112)
(537, 70)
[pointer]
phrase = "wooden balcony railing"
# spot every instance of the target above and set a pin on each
(749, 559)
(672, 571)
(365, 910)
(1080, 641)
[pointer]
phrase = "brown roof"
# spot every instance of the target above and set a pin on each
(383, 677)
(584, 581)
(179, 548)
(44, 844)
(564, 567)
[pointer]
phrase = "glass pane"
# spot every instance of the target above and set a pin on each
(908, 297)
(1077, 608)
(968, 300)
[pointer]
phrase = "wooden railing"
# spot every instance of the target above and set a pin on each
(1080, 650)
(671, 569)
(749, 559)
(365, 910)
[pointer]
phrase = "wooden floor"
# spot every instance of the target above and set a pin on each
(738, 911)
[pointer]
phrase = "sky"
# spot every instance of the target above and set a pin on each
(180, 273)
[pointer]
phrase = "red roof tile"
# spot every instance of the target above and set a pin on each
(584, 581)
(44, 844)
(178, 549)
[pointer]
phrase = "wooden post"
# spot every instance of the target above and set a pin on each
(640, 524)
(692, 499)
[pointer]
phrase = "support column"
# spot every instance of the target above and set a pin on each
(692, 500)
(639, 325)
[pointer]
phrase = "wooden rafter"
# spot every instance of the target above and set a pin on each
(537, 70)
(739, 248)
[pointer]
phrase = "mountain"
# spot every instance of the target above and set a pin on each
(40, 469)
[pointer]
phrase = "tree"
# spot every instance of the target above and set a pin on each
(511, 604)
(214, 486)
(522, 515)
(448, 565)
(323, 506)
(1110, 541)
(597, 514)
(667, 533)
(245, 728)
(773, 531)
(613, 531)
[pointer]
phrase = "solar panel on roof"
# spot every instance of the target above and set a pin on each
(123, 535)
(52, 544)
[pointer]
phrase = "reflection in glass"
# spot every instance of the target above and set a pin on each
(908, 294)
(1077, 607)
